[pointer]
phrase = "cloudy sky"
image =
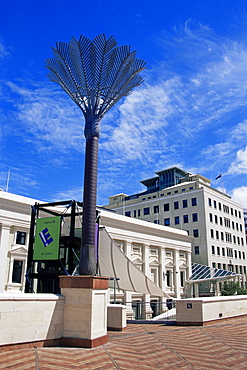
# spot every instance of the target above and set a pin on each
(190, 112)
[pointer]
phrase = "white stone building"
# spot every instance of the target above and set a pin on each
(163, 254)
(187, 202)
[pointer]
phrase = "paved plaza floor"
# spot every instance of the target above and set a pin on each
(219, 345)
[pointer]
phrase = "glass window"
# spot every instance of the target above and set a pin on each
(216, 219)
(213, 249)
(197, 250)
(186, 219)
(209, 202)
(167, 222)
(166, 207)
(176, 220)
(215, 204)
(21, 237)
(218, 251)
(146, 211)
(219, 206)
(134, 212)
(185, 203)
(156, 209)
(212, 233)
(17, 271)
(210, 217)
(128, 213)
(176, 205)
(223, 252)
(193, 202)
(194, 217)
(139, 212)
(196, 233)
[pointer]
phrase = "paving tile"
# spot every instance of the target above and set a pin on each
(221, 345)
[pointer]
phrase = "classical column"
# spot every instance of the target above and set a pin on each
(146, 309)
(4, 245)
(162, 275)
(128, 295)
(176, 273)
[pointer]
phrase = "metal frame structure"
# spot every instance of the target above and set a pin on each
(96, 74)
(47, 279)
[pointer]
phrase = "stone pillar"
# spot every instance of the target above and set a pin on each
(85, 310)
(128, 295)
(146, 308)
(176, 274)
(4, 244)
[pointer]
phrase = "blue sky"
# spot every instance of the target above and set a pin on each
(190, 112)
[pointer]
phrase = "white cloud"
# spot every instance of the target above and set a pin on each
(239, 195)
(240, 164)
(50, 116)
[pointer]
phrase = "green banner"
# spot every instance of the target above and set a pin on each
(47, 235)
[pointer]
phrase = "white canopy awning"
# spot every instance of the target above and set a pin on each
(113, 263)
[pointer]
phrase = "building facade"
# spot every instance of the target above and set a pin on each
(161, 253)
(187, 202)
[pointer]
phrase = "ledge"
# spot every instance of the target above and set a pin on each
(84, 282)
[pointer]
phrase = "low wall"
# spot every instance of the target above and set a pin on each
(198, 311)
(116, 317)
(29, 318)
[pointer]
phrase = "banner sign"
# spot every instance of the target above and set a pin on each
(47, 235)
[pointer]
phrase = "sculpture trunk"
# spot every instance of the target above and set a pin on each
(87, 264)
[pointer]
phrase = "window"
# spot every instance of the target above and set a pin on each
(212, 233)
(232, 211)
(134, 212)
(228, 237)
(21, 237)
(235, 254)
(176, 220)
(218, 251)
(219, 204)
(183, 189)
(186, 219)
(128, 213)
(233, 226)
(156, 221)
(191, 188)
(182, 278)
(213, 249)
(234, 239)
(221, 221)
(243, 255)
(196, 233)
(185, 203)
(222, 236)
(156, 209)
(209, 202)
(215, 204)
(166, 207)
(176, 205)
(225, 208)
(167, 222)
(223, 252)
(214, 265)
(194, 217)
(139, 212)
(169, 278)
(17, 271)
(217, 234)
(227, 222)
(210, 217)
(196, 249)
(239, 254)
(240, 227)
(216, 219)
(146, 211)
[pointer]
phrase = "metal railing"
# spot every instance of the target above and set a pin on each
(151, 311)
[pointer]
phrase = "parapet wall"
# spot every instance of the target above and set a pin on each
(199, 311)
(30, 318)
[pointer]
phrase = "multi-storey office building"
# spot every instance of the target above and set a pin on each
(184, 201)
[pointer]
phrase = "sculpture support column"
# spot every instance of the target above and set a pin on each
(85, 311)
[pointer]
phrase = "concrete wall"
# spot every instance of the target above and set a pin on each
(30, 318)
(198, 311)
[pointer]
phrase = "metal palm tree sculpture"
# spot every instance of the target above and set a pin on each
(96, 74)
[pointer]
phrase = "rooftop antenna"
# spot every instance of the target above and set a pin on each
(7, 183)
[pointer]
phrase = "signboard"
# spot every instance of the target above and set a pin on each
(47, 234)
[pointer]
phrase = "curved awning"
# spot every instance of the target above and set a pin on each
(113, 263)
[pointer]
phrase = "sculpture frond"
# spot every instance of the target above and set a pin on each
(96, 73)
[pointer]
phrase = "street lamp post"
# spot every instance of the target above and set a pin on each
(96, 74)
